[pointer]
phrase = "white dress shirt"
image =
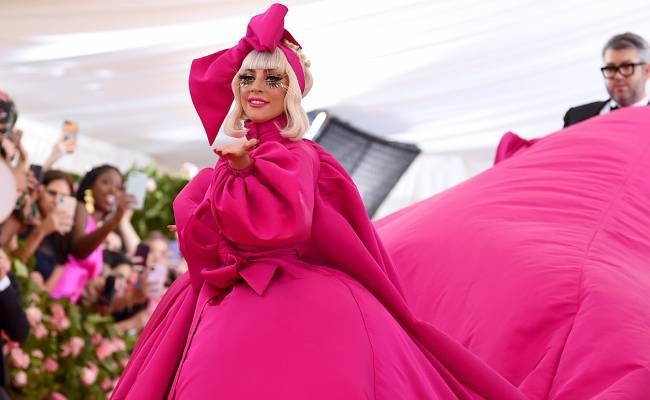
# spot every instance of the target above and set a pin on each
(611, 103)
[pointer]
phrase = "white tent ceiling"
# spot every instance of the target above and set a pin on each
(451, 76)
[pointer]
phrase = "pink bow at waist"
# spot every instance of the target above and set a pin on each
(256, 269)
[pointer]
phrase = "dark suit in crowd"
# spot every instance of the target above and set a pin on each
(13, 322)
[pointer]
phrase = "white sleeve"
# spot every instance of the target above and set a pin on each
(4, 283)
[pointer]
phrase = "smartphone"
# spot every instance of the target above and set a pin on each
(142, 251)
(136, 185)
(68, 204)
(156, 281)
(157, 273)
(69, 134)
(70, 130)
(38, 172)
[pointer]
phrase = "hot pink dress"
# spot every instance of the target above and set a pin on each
(78, 272)
(290, 295)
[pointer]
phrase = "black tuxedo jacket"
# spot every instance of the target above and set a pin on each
(12, 321)
(583, 112)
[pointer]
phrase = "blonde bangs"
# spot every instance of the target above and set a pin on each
(255, 60)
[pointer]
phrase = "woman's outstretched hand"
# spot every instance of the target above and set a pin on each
(237, 153)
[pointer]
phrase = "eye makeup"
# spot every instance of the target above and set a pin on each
(273, 80)
(246, 79)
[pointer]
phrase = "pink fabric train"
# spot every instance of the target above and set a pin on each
(541, 265)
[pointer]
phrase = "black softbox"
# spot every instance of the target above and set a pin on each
(374, 163)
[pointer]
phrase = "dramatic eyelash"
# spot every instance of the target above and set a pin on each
(246, 79)
(274, 81)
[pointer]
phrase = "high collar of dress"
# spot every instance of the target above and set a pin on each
(268, 130)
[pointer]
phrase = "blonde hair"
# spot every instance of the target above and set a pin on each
(297, 121)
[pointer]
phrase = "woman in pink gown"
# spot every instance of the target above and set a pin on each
(290, 294)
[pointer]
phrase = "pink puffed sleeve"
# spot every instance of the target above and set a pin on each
(198, 235)
(271, 202)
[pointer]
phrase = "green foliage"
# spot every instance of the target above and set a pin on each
(157, 212)
(70, 349)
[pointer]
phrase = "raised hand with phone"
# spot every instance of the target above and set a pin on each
(136, 185)
(153, 255)
(124, 203)
(56, 207)
(59, 221)
(69, 135)
(66, 144)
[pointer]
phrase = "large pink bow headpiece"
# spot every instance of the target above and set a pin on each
(211, 76)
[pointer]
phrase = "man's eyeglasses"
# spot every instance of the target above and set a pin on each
(626, 69)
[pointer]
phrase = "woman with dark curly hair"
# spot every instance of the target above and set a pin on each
(101, 206)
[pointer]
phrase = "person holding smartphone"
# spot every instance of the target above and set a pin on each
(67, 143)
(102, 204)
(48, 240)
(132, 308)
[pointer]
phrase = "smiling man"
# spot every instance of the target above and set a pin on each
(626, 70)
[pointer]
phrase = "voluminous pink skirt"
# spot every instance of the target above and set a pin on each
(315, 333)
